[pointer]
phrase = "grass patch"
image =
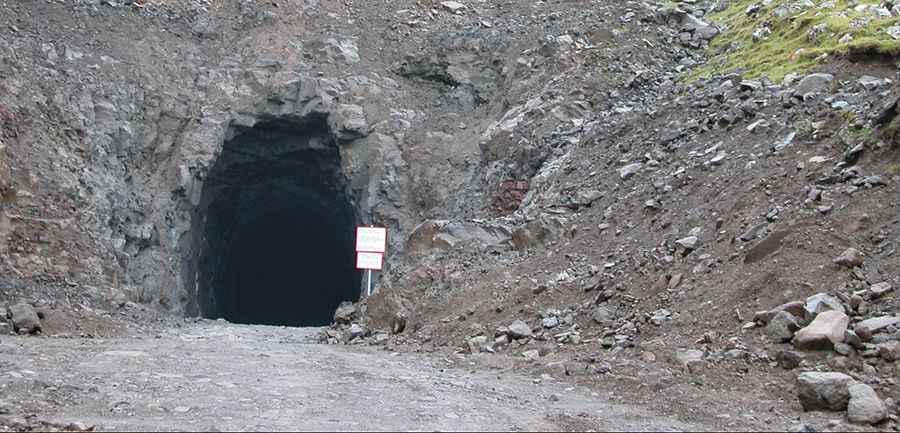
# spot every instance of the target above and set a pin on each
(799, 40)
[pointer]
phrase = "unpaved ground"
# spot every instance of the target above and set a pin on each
(229, 377)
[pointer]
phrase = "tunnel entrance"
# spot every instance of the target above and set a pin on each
(273, 234)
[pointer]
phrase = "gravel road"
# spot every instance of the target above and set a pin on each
(219, 376)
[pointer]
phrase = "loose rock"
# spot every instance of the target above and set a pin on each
(519, 330)
(865, 407)
(869, 327)
(823, 391)
(850, 258)
(889, 351)
(782, 327)
(24, 319)
(824, 332)
(345, 313)
(880, 289)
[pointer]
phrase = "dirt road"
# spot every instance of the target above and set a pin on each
(229, 377)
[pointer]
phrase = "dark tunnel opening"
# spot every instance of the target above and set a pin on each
(274, 231)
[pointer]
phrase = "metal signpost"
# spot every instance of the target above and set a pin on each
(371, 244)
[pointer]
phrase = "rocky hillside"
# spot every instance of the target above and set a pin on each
(689, 201)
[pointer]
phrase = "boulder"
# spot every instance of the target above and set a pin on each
(782, 327)
(820, 303)
(880, 289)
(550, 322)
(824, 332)
(788, 360)
(519, 330)
(698, 27)
(358, 331)
(889, 351)
(850, 258)
(345, 313)
(869, 327)
(814, 84)
(690, 242)
(630, 170)
(692, 360)
(24, 319)
(796, 309)
(601, 315)
(865, 407)
(476, 344)
(823, 391)
(453, 6)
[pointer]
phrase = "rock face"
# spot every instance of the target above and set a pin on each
(24, 319)
(823, 391)
(824, 332)
(865, 407)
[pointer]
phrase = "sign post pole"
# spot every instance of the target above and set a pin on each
(369, 286)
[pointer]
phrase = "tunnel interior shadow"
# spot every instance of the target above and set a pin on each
(274, 230)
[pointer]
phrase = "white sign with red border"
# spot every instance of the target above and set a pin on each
(369, 261)
(371, 239)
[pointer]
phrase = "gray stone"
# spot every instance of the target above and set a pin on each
(869, 327)
(349, 122)
(865, 407)
(381, 338)
(601, 315)
(889, 351)
(692, 360)
(871, 83)
(345, 313)
(550, 322)
(850, 258)
(630, 170)
(782, 327)
(660, 316)
(853, 339)
(358, 331)
(823, 391)
(795, 308)
(880, 289)
(824, 332)
(690, 242)
(814, 84)
(698, 27)
(476, 344)
(820, 303)
(788, 360)
(24, 319)
(346, 50)
(453, 6)
(843, 349)
(519, 330)
(531, 354)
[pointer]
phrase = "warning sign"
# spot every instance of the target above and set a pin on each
(369, 261)
(371, 239)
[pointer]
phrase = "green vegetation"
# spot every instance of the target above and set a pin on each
(799, 39)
